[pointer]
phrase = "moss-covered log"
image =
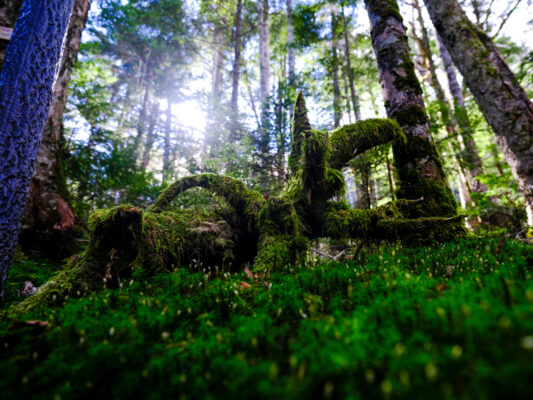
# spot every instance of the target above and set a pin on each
(268, 233)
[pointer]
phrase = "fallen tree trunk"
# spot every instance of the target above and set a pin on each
(269, 233)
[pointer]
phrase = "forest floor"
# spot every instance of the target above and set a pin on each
(447, 321)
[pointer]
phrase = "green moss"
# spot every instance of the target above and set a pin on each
(352, 140)
(384, 9)
(410, 116)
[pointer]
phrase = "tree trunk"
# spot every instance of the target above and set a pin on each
(26, 92)
(141, 123)
(353, 92)
(417, 162)
(290, 44)
(502, 100)
(150, 137)
(424, 46)
(9, 11)
(48, 222)
(363, 187)
(470, 155)
(166, 150)
(264, 66)
(234, 134)
(337, 108)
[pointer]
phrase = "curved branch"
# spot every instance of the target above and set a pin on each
(352, 140)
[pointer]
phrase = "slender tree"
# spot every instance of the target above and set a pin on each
(349, 70)
(26, 91)
(290, 44)
(502, 100)
(166, 149)
(236, 74)
(417, 162)
(48, 221)
(150, 135)
(264, 64)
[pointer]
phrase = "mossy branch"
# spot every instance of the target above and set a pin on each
(352, 140)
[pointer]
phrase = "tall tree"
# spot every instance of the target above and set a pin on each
(417, 161)
(290, 44)
(48, 222)
(9, 11)
(236, 74)
(470, 155)
(337, 108)
(264, 64)
(349, 70)
(26, 91)
(166, 150)
(502, 100)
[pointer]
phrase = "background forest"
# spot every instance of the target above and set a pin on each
(220, 208)
(165, 89)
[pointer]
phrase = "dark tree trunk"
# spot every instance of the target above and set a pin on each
(418, 165)
(48, 223)
(502, 100)
(26, 92)
(9, 11)
(234, 129)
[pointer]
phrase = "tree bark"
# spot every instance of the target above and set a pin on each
(9, 11)
(26, 92)
(424, 46)
(234, 134)
(502, 100)
(48, 223)
(418, 164)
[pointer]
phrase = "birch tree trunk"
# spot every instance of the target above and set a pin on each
(26, 92)
(418, 165)
(502, 100)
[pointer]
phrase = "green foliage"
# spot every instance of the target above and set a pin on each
(104, 172)
(450, 321)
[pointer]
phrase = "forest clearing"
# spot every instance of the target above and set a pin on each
(273, 199)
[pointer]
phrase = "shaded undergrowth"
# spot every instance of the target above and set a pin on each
(453, 320)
